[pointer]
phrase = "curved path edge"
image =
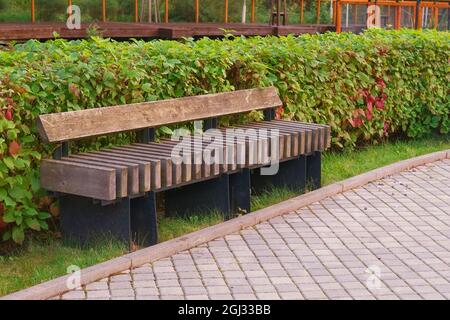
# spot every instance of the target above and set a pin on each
(151, 254)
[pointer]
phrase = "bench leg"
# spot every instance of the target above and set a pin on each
(291, 174)
(82, 220)
(144, 228)
(314, 170)
(200, 197)
(240, 190)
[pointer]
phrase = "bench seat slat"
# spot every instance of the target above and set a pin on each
(170, 170)
(180, 172)
(161, 171)
(81, 179)
(196, 157)
(323, 132)
(290, 137)
(132, 183)
(144, 168)
(154, 166)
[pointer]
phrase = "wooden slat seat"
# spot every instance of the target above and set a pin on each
(124, 179)
(143, 167)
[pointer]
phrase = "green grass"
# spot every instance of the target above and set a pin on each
(43, 260)
(343, 165)
(173, 227)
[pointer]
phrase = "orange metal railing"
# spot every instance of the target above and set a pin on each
(417, 7)
(197, 5)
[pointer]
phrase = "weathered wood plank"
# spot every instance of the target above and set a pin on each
(246, 146)
(57, 127)
(262, 143)
(308, 145)
(290, 137)
(166, 164)
(207, 170)
(181, 171)
(157, 164)
(151, 170)
(196, 156)
(174, 167)
(286, 134)
(79, 179)
(144, 168)
(322, 139)
(129, 187)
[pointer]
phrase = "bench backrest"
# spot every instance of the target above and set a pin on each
(72, 125)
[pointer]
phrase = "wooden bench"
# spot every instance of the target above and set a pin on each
(114, 190)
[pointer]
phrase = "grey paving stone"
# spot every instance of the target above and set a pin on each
(120, 278)
(170, 291)
(147, 291)
(291, 296)
(244, 296)
(73, 295)
(120, 285)
(197, 297)
(144, 284)
(268, 296)
(98, 294)
(145, 297)
(122, 293)
(97, 286)
(214, 290)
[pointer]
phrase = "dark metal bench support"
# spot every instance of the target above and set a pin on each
(146, 135)
(82, 220)
(313, 170)
(210, 123)
(291, 174)
(240, 192)
(144, 230)
(200, 197)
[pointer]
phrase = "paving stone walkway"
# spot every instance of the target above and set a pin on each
(387, 240)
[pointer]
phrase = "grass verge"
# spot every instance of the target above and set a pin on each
(42, 260)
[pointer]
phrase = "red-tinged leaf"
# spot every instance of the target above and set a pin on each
(386, 128)
(54, 210)
(382, 51)
(371, 99)
(74, 90)
(3, 224)
(9, 101)
(9, 114)
(369, 115)
(14, 148)
(364, 92)
(356, 122)
(2, 211)
(279, 113)
(381, 84)
(379, 104)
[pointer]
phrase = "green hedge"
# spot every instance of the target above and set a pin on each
(365, 86)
